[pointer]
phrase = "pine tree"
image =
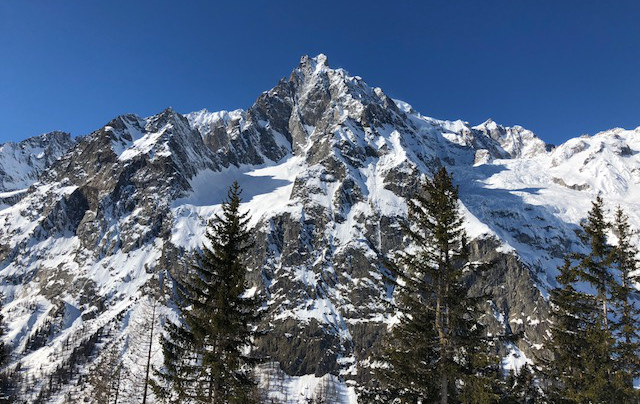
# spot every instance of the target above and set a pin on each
(204, 355)
(600, 383)
(570, 310)
(409, 357)
(437, 351)
(626, 326)
(595, 267)
(583, 368)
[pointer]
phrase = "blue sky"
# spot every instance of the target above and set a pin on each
(560, 68)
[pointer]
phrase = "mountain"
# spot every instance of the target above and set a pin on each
(22, 163)
(326, 163)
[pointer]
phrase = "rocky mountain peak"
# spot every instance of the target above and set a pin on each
(56, 137)
(512, 142)
(168, 116)
(607, 161)
(307, 109)
(22, 163)
(315, 64)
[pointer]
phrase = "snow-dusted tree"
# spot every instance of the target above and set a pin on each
(206, 357)
(149, 331)
(272, 384)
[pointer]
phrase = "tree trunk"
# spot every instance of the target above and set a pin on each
(602, 292)
(117, 386)
(605, 312)
(442, 339)
(148, 366)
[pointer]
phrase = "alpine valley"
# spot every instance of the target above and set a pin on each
(88, 226)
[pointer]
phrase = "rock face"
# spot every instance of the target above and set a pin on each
(22, 163)
(326, 163)
(509, 143)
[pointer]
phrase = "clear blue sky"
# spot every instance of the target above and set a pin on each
(560, 68)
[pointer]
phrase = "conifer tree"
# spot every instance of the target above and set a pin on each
(595, 267)
(409, 357)
(626, 326)
(437, 352)
(527, 390)
(600, 382)
(521, 387)
(584, 368)
(570, 310)
(204, 355)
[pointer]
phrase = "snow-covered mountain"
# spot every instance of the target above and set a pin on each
(326, 163)
(22, 163)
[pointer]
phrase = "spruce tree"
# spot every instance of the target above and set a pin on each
(570, 309)
(205, 359)
(626, 327)
(584, 368)
(437, 351)
(409, 357)
(595, 267)
(600, 383)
